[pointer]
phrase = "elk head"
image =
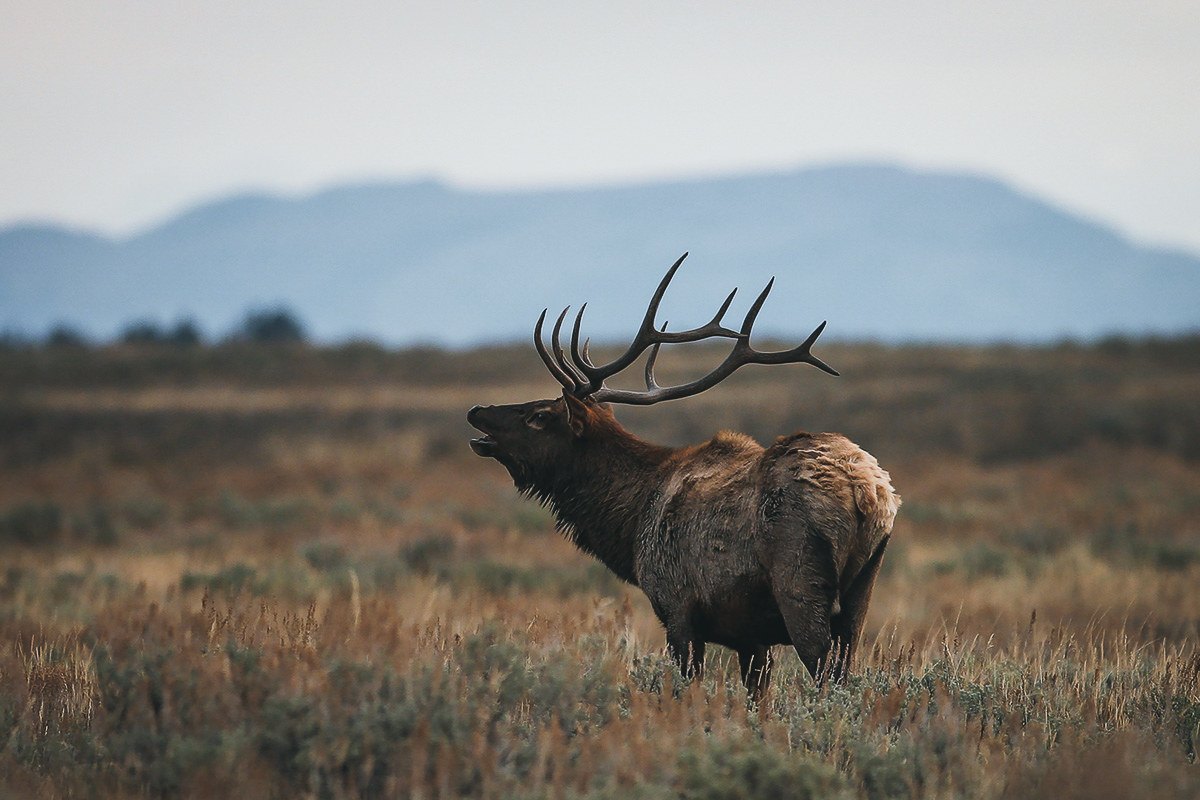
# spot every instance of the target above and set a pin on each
(529, 439)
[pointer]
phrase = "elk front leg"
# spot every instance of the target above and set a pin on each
(755, 665)
(674, 610)
(686, 651)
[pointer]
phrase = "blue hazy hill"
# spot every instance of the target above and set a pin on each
(878, 250)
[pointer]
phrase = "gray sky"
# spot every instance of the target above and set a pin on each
(115, 114)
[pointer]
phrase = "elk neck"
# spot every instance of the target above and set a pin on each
(601, 496)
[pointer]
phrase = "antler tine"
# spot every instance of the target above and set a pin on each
(797, 355)
(752, 314)
(596, 375)
(712, 328)
(558, 372)
(576, 356)
(716, 321)
(648, 335)
(652, 309)
(577, 379)
(652, 384)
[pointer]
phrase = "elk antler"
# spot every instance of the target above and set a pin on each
(582, 378)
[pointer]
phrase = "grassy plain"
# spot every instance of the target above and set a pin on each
(279, 572)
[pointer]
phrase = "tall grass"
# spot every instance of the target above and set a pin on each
(199, 697)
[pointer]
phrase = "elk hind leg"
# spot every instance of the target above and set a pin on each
(805, 589)
(846, 626)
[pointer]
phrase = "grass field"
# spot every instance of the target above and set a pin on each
(280, 572)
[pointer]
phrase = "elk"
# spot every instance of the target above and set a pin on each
(733, 543)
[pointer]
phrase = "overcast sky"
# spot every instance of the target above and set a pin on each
(115, 114)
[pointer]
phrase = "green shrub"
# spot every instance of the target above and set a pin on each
(231, 580)
(325, 556)
(752, 770)
(429, 554)
(34, 523)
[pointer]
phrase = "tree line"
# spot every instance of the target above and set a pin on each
(277, 325)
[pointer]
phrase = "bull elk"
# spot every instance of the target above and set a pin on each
(732, 543)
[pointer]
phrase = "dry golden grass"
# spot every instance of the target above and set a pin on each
(304, 585)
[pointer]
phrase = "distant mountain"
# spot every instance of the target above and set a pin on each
(879, 251)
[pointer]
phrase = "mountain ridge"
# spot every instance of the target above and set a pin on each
(883, 251)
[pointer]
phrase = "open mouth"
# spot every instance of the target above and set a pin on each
(484, 446)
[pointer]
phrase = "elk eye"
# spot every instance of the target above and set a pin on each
(540, 418)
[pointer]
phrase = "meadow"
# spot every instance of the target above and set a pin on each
(278, 571)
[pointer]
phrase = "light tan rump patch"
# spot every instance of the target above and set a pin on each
(839, 468)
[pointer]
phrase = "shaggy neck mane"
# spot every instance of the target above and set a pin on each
(599, 496)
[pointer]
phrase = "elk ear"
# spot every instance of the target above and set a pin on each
(577, 413)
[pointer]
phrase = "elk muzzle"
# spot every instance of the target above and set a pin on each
(485, 445)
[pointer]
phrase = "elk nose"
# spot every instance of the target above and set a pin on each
(474, 410)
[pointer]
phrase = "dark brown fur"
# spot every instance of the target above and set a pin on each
(732, 543)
